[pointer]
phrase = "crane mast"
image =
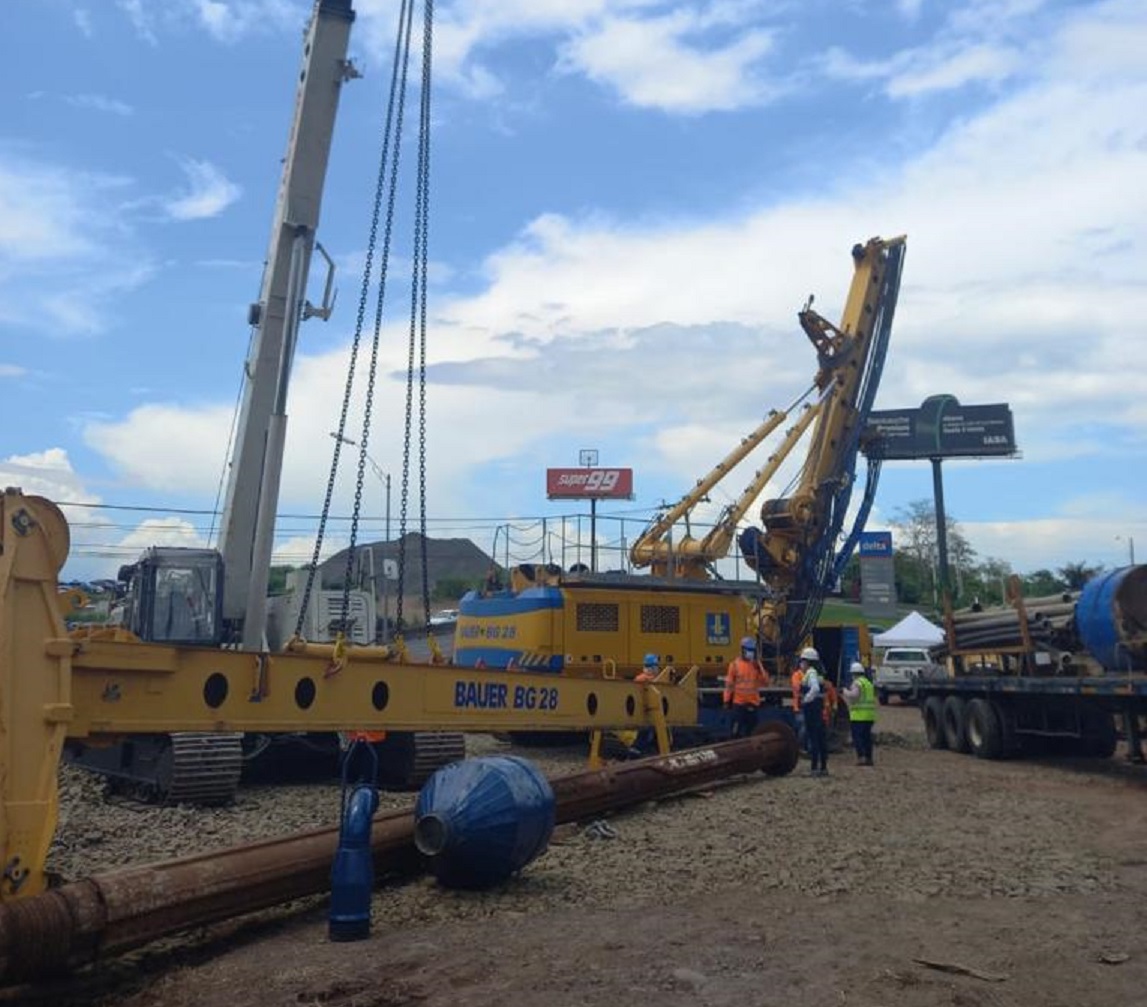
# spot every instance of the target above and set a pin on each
(793, 553)
(247, 528)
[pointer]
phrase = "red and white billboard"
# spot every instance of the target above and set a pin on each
(582, 484)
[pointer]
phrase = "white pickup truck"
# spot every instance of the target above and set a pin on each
(898, 670)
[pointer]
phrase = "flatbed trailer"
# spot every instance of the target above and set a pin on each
(1002, 716)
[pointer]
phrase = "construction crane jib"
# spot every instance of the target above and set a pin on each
(252, 496)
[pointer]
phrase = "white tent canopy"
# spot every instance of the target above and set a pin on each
(911, 631)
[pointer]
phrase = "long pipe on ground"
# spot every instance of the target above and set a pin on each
(115, 912)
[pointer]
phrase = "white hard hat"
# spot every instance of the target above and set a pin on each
(857, 668)
(810, 654)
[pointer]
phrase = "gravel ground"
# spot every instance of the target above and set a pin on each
(827, 887)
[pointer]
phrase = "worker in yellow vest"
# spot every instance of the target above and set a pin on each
(861, 699)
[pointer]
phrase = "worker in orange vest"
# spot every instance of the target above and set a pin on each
(743, 683)
(644, 741)
(649, 669)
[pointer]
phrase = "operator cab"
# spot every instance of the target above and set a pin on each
(175, 595)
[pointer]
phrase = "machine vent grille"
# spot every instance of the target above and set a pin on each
(660, 619)
(596, 617)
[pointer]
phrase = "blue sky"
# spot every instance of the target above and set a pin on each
(630, 202)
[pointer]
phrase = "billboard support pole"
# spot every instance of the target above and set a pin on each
(941, 526)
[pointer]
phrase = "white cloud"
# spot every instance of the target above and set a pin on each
(165, 447)
(975, 64)
(140, 17)
(654, 63)
(64, 251)
(209, 192)
(83, 22)
(1053, 542)
(982, 42)
(231, 21)
(46, 473)
(700, 56)
(226, 21)
(42, 211)
(100, 103)
(12, 371)
(165, 531)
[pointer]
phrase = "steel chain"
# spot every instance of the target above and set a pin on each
(388, 230)
(424, 183)
(368, 269)
(417, 287)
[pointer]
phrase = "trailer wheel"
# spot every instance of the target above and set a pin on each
(1009, 746)
(934, 723)
(955, 724)
(983, 729)
(1100, 738)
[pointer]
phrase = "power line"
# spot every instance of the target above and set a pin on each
(466, 522)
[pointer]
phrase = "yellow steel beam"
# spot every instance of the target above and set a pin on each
(122, 688)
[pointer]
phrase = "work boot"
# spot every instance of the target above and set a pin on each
(869, 762)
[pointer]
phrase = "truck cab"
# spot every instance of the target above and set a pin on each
(898, 670)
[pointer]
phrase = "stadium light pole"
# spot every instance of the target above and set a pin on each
(384, 478)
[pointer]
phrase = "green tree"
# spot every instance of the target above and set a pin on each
(991, 578)
(1075, 575)
(1040, 583)
(915, 527)
(277, 581)
(850, 578)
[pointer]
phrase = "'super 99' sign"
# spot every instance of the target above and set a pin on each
(613, 484)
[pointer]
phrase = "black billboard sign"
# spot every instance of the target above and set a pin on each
(941, 428)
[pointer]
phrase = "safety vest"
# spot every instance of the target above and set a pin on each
(796, 681)
(743, 682)
(831, 700)
(863, 708)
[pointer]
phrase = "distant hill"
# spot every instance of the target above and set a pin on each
(446, 559)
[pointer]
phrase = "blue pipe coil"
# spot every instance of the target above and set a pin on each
(479, 821)
(1111, 609)
(352, 876)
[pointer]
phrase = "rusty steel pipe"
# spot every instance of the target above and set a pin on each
(121, 910)
(773, 750)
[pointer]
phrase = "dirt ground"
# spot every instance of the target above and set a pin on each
(1030, 877)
